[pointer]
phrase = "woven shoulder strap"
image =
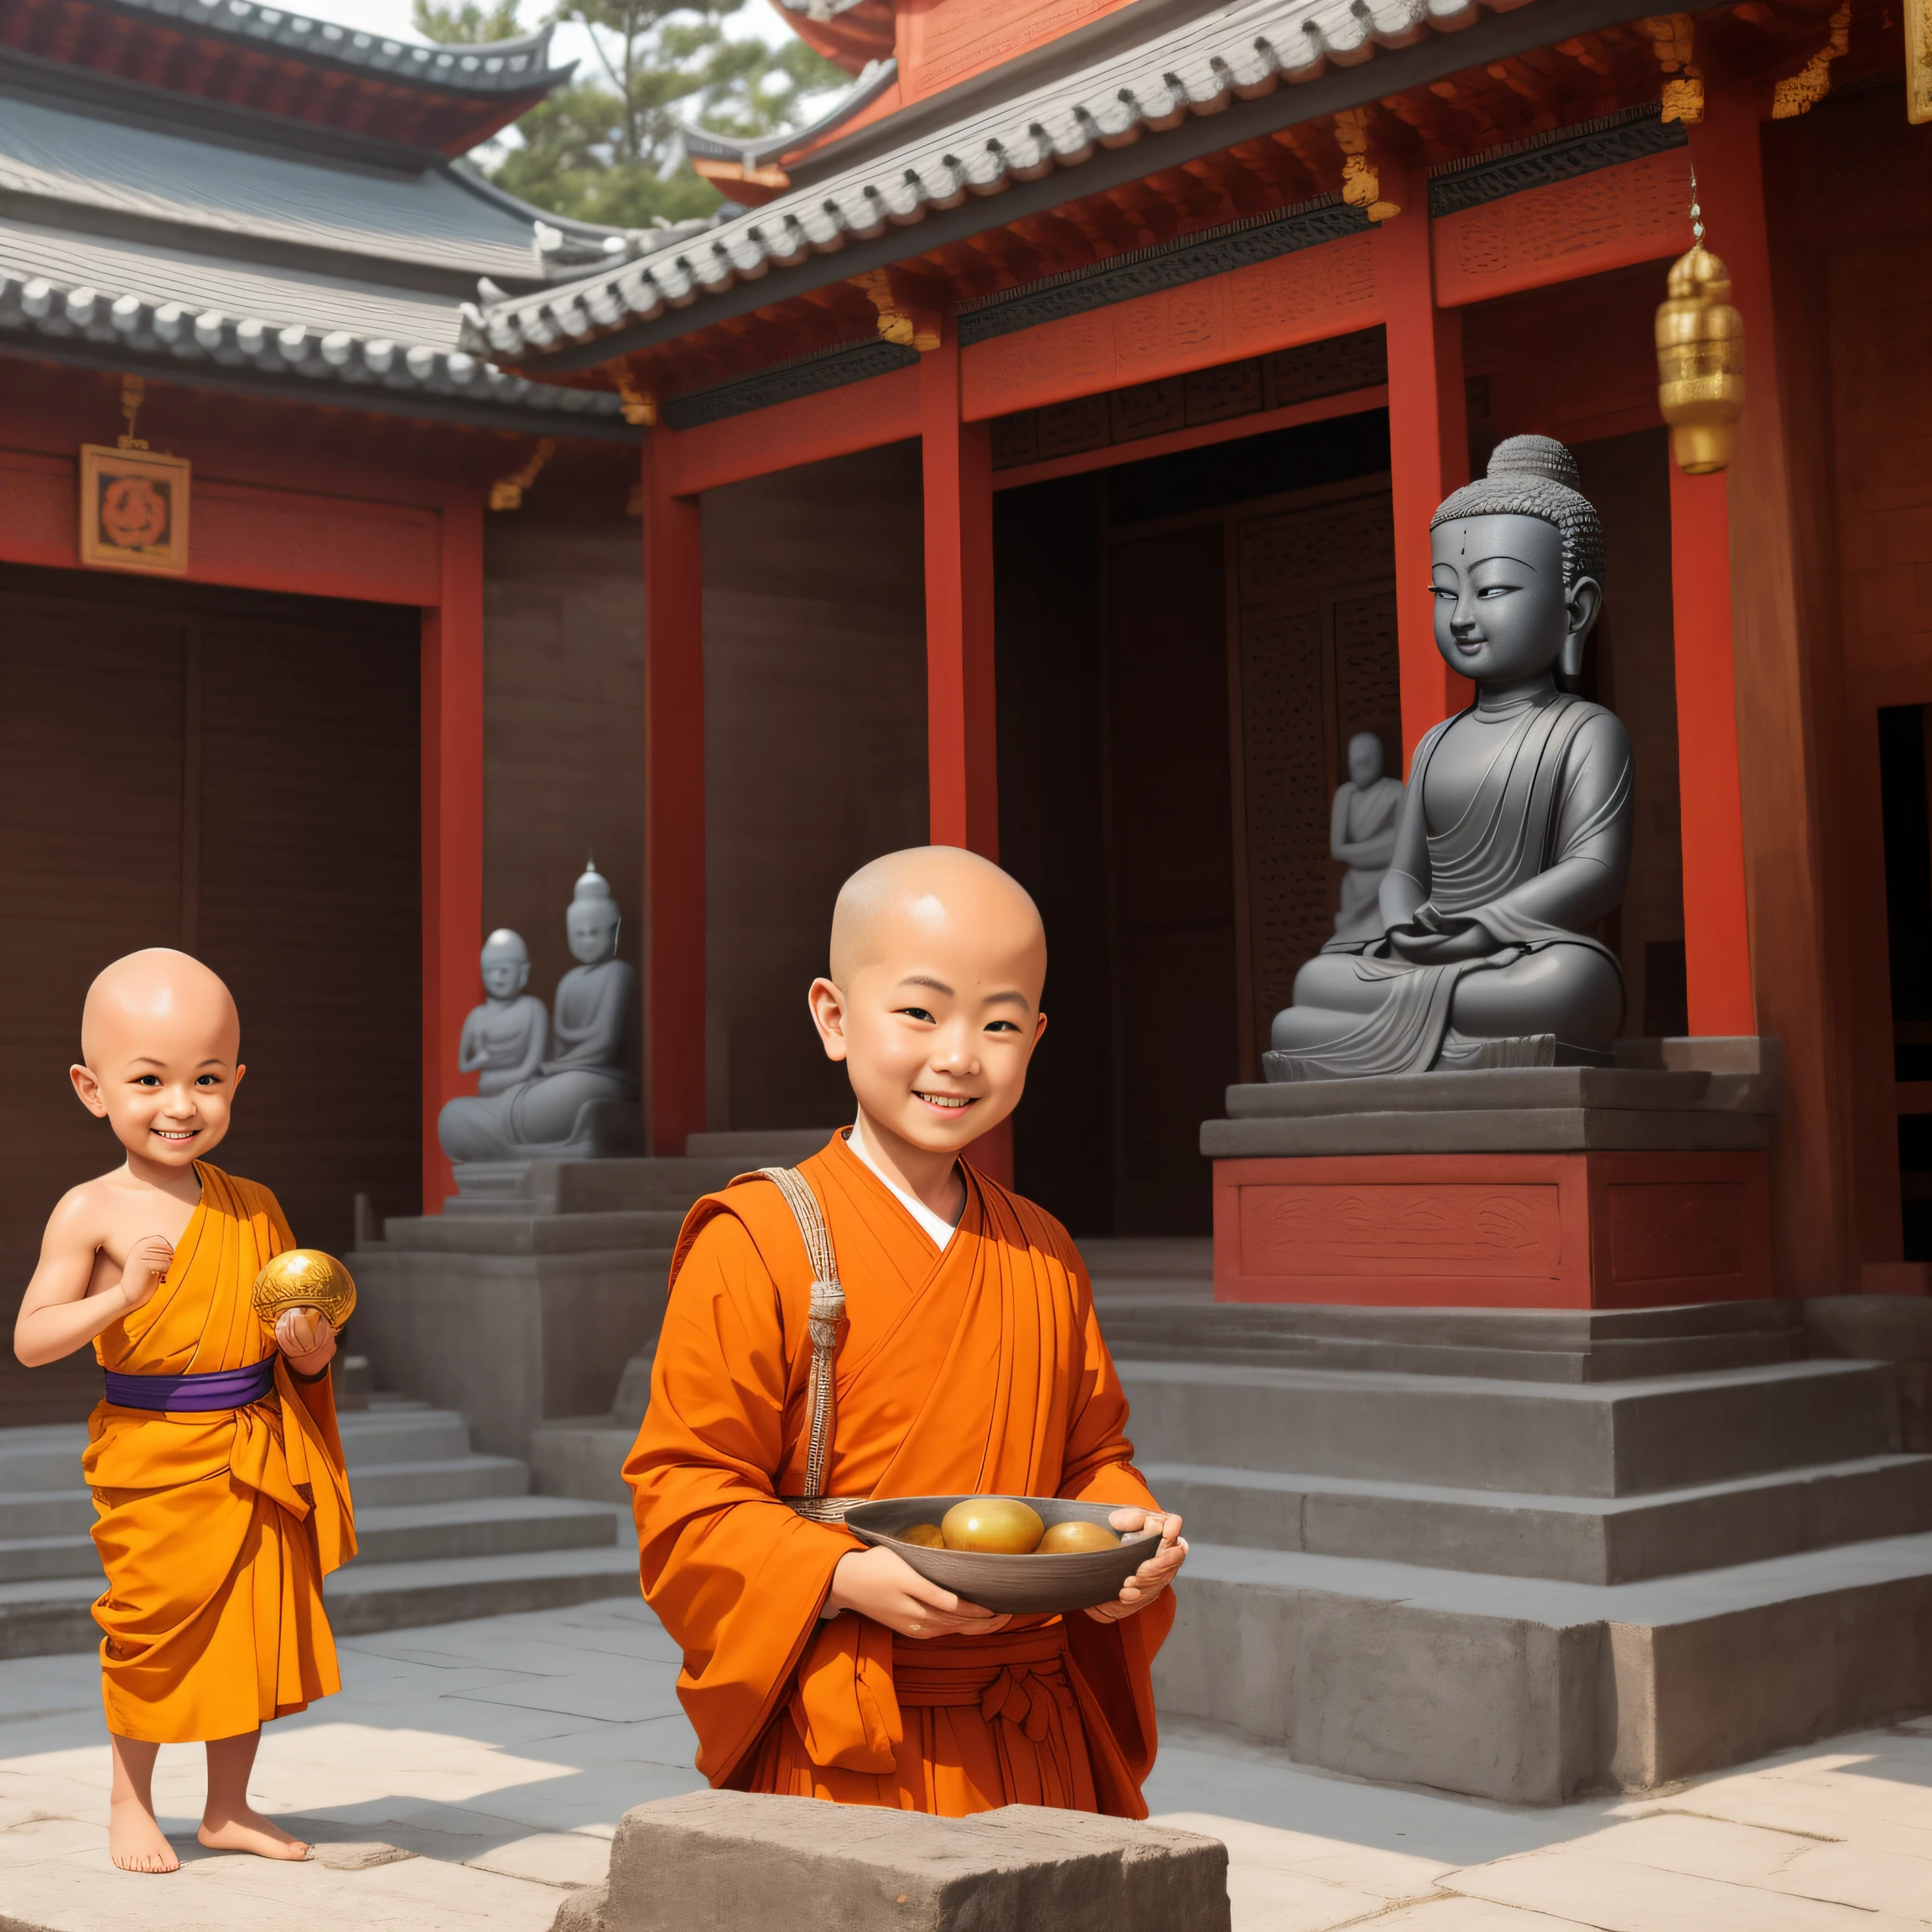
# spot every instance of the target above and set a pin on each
(827, 1312)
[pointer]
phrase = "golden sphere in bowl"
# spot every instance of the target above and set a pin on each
(304, 1278)
(995, 1525)
(1073, 1539)
(926, 1535)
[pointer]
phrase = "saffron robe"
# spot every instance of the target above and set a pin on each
(979, 1370)
(216, 1529)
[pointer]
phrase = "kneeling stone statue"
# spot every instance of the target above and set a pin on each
(581, 1102)
(1514, 832)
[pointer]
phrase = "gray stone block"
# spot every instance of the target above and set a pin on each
(584, 1458)
(511, 1339)
(1501, 1130)
(1533, 1692)
(741, 1862)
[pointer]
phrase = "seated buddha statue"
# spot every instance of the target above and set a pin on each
(558, 1111)
(504, 1040)
(1514, 832)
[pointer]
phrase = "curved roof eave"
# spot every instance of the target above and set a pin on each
(493, 67)
(1202, 86)
(755, 151)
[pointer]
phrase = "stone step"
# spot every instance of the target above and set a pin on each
(1577, 1539)
(672, 1182)
(492, 1526)
(44, 1458)
(449, 1479)
(647, 1233)
(1531, 1692)
(1534, 1345)
(48, 1512)
(367, 1596)
(48, 1617)
(1589, 1439)
(31, 1559)
(402, 1432)
(487, 1526)
(759, 1146)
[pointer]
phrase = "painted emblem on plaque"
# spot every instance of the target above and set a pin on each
(133, 510)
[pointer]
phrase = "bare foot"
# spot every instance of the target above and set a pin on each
(134, 1840)
(250, 1831)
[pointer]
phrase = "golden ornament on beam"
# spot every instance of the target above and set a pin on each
(1700, 362)
(304, 1278)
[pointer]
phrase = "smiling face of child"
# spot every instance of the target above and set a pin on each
(934, 1005)
(161, 1041)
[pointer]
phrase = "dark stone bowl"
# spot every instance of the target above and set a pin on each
(1024, 1585)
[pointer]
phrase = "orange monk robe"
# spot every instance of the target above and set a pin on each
(979, 1370)
(215, 1529)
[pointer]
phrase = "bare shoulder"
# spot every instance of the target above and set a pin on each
(83, 1217)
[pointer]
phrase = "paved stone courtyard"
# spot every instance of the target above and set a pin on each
(471, 1773)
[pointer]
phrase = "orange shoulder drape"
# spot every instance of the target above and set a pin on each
(216, 1529)
(979, 1369)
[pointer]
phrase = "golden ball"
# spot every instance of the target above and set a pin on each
(304, 1278)
(994, 1525)
(1073, 1539)
(926, 1535)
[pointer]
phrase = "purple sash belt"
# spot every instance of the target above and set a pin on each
(226, 1388)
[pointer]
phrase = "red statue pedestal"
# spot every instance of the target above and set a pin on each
(1517, 1188)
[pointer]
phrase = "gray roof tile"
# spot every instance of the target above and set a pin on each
(1225, 53)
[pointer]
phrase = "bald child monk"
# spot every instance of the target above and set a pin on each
(969, 1361)
(215, 1463)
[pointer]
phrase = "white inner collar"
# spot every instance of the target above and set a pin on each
(941, 1230)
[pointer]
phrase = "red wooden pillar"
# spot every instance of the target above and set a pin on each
(962, 739)
(961, 775)
(452, 728)
(674, 991)
(1428, 448)
(1716, 934)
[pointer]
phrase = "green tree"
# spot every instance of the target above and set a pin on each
(601, 148)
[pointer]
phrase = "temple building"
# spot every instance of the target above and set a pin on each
(1036, 452)
(1156, 334)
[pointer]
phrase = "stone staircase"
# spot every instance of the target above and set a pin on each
(1522, 1554)
(443, 1532)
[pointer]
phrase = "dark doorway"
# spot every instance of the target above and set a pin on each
(1154, 737)
(1902, 764)
(238, 774)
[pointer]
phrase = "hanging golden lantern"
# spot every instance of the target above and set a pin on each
(1700, 362)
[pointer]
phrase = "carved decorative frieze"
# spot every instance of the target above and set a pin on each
(1602, 145)
(785, 382)
(1146, 271)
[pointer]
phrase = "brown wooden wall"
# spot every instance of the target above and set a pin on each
(563, 715)
(815, 752)
(237, 775)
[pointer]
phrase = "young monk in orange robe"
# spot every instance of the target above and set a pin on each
(215, 1463)
(970, 1361)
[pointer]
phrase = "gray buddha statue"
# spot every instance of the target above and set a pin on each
(1514, 832)
(1361, 836)
(570, 1105)
(505, 1039)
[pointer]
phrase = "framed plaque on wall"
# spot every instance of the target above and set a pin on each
(133, 510)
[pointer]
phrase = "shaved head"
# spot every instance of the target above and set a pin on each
(931, 887)
(158, 992)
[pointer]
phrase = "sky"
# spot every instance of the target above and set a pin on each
(390, 18)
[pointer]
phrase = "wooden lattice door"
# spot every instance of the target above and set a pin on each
(1315, 661)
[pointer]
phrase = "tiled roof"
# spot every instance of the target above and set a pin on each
(753, 149)
(500, 67)
(141, 326)
(1225, 55)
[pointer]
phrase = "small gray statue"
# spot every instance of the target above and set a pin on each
(505, 1039)
(567, 1106)
(1514, 835)
(1361, 836)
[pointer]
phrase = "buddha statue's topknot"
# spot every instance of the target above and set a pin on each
(1536, 477)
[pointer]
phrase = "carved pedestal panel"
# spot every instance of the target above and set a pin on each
(1598, 1230)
